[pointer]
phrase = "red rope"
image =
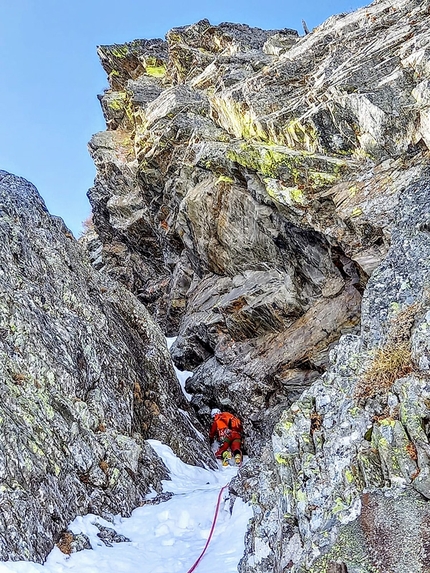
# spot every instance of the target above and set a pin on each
(194, 567)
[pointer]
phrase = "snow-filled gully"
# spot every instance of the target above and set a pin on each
(164, 538)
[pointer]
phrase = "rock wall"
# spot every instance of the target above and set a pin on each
(353, 452)
(85, 377)
(209, 227)
(251, 186)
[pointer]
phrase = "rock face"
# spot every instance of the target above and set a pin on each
(85, 377)
(214, 226)
(354, 457)
(247, 184)
(251, 186)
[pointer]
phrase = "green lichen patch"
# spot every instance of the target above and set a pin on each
(300, 135)
(356, 212)
(284, 195)
(321, 179)
(117, 101)
(156, 71)
(224, 179)
(350, 549)
(369, 463)
(297, 170)
(155, 67)
(281, 458)
(237, 119)
(120, 51)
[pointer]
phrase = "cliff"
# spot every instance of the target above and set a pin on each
(85, 378)
(265, 196)
(252, 186)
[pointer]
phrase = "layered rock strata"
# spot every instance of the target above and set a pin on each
(249, 185)
(188, 215)
(353, 453)
(85, 377)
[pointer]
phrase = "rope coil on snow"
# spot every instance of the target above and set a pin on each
(194, 567)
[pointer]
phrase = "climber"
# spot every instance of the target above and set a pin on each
(227, 430)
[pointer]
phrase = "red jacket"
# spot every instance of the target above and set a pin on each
(222, 427)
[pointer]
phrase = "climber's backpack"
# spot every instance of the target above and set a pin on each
(232, 422)
(227, 421)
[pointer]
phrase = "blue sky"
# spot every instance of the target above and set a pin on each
(50, 76)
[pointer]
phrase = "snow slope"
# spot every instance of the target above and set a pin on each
(164, 538)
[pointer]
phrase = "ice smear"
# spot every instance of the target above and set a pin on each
(182, 376)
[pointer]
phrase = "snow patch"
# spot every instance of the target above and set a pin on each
(181, 375)
(165, 537)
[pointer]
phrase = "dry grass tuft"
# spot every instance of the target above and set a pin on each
(19, 378)
(316, 421)
(387, 413)
(65, 543)
(393, 360)
(137, 393)
(412, 451)
(389, 363)
(103, 465)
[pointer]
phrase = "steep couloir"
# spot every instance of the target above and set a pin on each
(250, 185)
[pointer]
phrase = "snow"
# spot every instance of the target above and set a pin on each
(189, 420)
(165, 538)
(182, 375)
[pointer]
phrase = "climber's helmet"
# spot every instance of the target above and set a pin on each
(214, 412)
